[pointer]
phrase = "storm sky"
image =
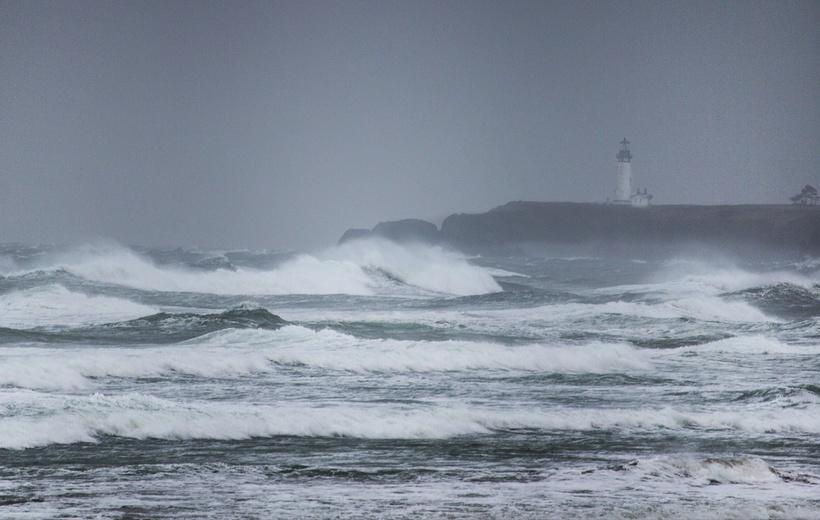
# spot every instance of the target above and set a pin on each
(281, 124)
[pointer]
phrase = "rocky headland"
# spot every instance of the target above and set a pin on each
(778, 228)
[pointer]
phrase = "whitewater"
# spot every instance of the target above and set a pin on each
(384, 380)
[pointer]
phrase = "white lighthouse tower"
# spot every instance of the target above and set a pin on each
(623, 188)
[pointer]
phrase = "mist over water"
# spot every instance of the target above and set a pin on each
(406, 380)
(191, 345)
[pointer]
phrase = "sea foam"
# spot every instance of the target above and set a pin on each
(702, 308)
(237, 352)
(56, 305)
(60, 420)
(756, 344)
(362, 268)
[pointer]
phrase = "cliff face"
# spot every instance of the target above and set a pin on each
(787, 228)
(354, 234)
(790, 227)
(408, 230)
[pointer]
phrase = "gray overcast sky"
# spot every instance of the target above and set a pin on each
(280, 124)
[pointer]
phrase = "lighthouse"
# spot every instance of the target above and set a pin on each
(623, 187)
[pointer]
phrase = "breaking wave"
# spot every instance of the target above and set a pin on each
(784, 299)
(264, 347)
(751, 345)
(332, 350)
(236, 352)
(703, 308)
(361, 268)
(63, 420)
(685, 278)
(728, 276)
(710, 471)
(55, 305)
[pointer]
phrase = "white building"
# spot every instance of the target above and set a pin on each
(641, 199)
(623, 187)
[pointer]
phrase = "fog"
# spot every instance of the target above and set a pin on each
(281, 124)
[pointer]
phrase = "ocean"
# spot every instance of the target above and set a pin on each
(378, 380)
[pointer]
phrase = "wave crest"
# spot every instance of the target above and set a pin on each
(710, 471)
(55, 305)
(362, 268)
(63, 420)
(236, 352)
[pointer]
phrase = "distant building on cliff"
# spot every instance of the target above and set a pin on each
(624, 193)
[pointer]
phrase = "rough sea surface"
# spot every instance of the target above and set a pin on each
(406, 382)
